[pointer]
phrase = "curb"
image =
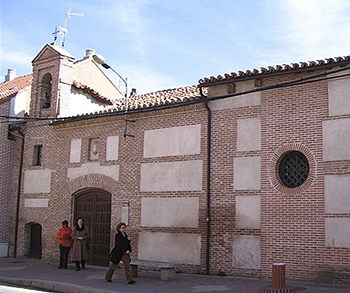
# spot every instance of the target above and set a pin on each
(53, 286)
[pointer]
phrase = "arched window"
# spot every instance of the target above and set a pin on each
(46, 90)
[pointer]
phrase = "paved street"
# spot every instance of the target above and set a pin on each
(44, 275)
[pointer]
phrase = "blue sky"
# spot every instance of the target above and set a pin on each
(161, 44)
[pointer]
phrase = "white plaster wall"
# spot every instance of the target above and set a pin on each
(246, 252)
(112, 148)
(174, 141)
(36, 202)
(18, 104)
(37, 181)
(218, 90)
(93, 168)
(339, 96)
(337, 232)
(336, 139)
(170, 247)
(248, 211)
(81, 104)
(75, 150)
(90, 73)
(253, 99)
(170, 212)
(337, 193)
(249, 134)
(247, 173)
(172, 176)
(242, 86)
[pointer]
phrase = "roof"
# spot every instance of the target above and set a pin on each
(9, 88)
(92, 92)
(234, 76)
(52, 49)
(165, 97)
(168, 97)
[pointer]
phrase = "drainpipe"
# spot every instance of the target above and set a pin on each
(19, 189)
(207, 261)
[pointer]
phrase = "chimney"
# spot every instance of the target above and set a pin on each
(11, 74)
(89, 53)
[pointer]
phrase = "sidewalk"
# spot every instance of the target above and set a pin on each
(43, 275)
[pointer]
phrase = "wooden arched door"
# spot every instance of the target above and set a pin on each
(94, 206)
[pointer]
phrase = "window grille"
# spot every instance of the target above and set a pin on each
(293, 169)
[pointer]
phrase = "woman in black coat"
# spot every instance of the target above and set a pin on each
(120, 252)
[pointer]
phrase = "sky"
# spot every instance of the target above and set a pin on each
(165, 44)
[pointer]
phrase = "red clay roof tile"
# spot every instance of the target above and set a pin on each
(9, 88)
(273, 69)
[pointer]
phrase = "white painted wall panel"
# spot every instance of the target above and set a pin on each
(339, 96)
(336, 139)
(247, 173)
(253, 99)
(246, 252)
(338, 232)
(75, 150)
(4, 249)
(249, 134)
(174, 141)
(172, 176)
(36, 202)
(93, 168)
(170, 212)
(248, 211)
(337, 193)
(112, 148)
(37, 181)
(170, 247)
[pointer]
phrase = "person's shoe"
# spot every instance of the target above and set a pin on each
(60, 267)
(132, 282)
(108, 280)
(77, 269)
(83, 267)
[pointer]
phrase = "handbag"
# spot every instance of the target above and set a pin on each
(87, 246)
(110, 256)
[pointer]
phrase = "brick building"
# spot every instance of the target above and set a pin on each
(230, 175)
(14, 102)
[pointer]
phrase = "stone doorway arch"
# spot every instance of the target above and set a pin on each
(94, 206)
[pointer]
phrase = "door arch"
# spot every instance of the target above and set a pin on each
(33, 233)
(94, 206)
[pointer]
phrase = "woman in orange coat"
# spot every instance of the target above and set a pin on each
(64, 237)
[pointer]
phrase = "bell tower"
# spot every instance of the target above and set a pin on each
(52, 81)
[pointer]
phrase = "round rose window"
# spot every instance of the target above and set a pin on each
(293, 169)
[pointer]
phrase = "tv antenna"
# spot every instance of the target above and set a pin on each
(63, 31)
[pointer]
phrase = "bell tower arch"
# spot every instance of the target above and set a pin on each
(52, 80)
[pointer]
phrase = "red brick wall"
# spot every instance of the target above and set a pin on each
(224, 139)
(56, 150)
(7, 155)
(293, 224)
(292, 221)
